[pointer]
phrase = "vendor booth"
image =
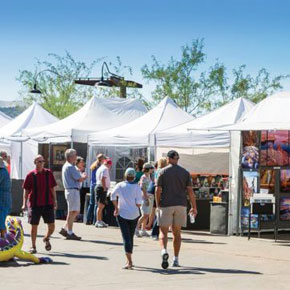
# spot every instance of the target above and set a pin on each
(137, 138)
(264, 165)
(22, 149)
(72, 132)
(204, 136)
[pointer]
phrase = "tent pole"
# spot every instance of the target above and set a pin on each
(21, 159)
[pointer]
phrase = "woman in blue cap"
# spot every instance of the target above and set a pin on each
(127, 211)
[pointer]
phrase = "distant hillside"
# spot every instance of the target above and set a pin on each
(12, 108)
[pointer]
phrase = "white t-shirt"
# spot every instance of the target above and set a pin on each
(103, 171)
(129, 195)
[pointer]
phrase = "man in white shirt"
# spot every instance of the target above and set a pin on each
(103, 184)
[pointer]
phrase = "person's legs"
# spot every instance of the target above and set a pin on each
(143, 221)
(70, 220)
(151, 218)
(100, 211)
(91, 207)
(155, 229)
(33, 235)
(132, 228)
(163, 237)
(176, 231)
(125, 230)
(179, 220)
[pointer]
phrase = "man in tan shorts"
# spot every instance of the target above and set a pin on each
(173, 184)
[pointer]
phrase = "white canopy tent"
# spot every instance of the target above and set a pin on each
(195, 132)
(4, 120)
(141, 132)
(208, 131)
(270, 114)
(22, 149)
(96, 115)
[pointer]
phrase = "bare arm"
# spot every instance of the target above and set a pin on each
(192, 199)
(158, 192)
(25, 197)
(54, 197)
(115, 203)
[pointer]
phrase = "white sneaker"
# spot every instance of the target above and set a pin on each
(104, 224)
(138, 233)
(99, 225)
(175, 263)
(143, 233)
(165, 257)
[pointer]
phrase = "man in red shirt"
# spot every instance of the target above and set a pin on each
(40, 198)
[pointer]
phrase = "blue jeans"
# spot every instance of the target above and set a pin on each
(92, 208)
(127, 229)
(155, 228)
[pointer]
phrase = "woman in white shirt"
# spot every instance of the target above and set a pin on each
(127, 211)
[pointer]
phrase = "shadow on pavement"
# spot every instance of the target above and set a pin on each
(77, 256)
(18, 263)
(193, 241)
(103, 242)
(193, 270)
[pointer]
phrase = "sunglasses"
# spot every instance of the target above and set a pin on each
(41, 161)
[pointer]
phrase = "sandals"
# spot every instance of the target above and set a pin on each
(47, 244)
(128, 267)
(32, 250)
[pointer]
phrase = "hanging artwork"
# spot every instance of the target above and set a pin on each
(250, 185)
(250, 158)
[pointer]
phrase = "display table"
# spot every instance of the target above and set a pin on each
(202, 218)
(219, 218)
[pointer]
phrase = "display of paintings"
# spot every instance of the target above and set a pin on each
(250, 158)
(58, 157)
(285, 180)
(285, 209)
(263, 148)
(58, 178)
(267, 180)
(245, 219)
(250, 185)
(274, 148)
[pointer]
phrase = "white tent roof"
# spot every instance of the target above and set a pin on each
(271, 113)
(4, 119)
(33, 116)
(195, 133)
(96, 115)
(141, 131)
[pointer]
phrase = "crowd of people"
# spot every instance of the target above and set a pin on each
(151, 197)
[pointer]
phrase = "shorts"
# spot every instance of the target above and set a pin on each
(3, 214)
(46, 212)
(101, 195)
(147, 209)
(172, 215)
(73, 200)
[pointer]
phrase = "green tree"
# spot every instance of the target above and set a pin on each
(200, 92)
(55, 79)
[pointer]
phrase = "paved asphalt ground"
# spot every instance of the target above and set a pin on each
(208, 262)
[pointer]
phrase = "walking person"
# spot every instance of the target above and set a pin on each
(127, 211)
(5, 196)
(103, 185)
(40, 198)
(148, 199)
(173, 185)
(92, 208)
(71, 178)
(139, 169)
(161, 163)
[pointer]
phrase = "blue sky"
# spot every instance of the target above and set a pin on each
(251, 32)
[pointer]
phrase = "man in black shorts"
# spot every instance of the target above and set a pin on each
(40, 199)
